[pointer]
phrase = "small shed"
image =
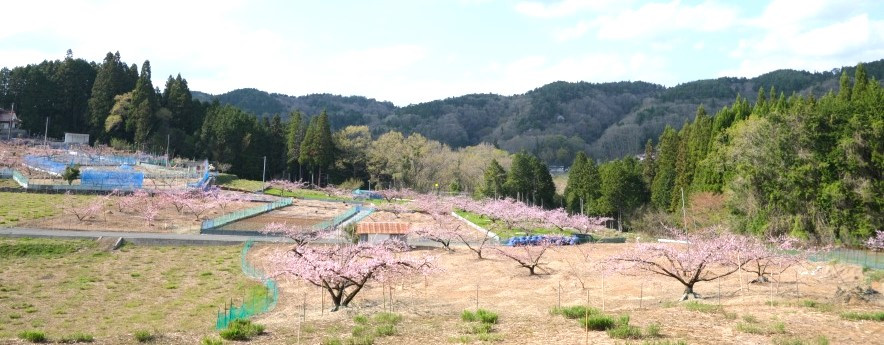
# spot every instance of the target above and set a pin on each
(76, 138)
(381, 231)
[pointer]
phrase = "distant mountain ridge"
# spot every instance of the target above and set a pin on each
(554, 121)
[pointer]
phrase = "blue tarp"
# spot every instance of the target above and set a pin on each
(366, 194)
(534, 240)
(126, 177)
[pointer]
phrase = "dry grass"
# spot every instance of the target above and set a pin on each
(111, 295)
(432, 308)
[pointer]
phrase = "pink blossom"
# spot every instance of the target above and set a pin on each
(343, 270)
(876, 243)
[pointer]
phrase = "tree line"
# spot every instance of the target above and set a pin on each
(799, 165)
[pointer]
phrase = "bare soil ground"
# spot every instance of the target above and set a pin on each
(419, 219)
(302, 212)
(169, 219)
(431, 306)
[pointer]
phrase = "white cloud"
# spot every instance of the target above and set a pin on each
(656, 19)
(564, 8)
(812, 35)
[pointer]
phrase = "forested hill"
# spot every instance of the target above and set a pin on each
(555, 121)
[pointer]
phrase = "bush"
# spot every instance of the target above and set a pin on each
(211, 341)
(77, 338)
(857, 316)
(482, 328)
(351, 183)
(33, 336)
(597, 322)
(362, 340)
(241, 330)
(143, 336)
(331, 341)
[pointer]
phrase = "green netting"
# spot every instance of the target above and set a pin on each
(865, 258)
(234, 216)
(331, 223)
(256, 302)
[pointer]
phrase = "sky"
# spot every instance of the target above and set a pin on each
(413, 51)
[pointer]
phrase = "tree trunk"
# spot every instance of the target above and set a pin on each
(689, 292)
(531, 269)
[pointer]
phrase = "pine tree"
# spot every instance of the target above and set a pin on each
(293, 140)
(323, 144)
(543, 190)
(860, 80)
(583, 183)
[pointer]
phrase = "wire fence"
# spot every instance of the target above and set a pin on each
(331, 223)
(237, 215)
(254, 303)
(865, 258)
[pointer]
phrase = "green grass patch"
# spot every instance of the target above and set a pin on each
(211, 341)
(77, 338)
(233, 182)
(33, 336)
(501, 230)
(481, 315)
(575, 312)
(29, 247)
(701, 307)
(818, 340)
(598, 322)
(873, 275)
(241, 330)
(817, 305)
(759, 328)
(860, 316)
(304, 194)
(19, 207)
(144, 336)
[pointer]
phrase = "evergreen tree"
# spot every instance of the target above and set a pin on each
(844, 90)
(664, 179)
(519, 179)
(306, 154)
(293, 141)
(648, 164)
(112, 79)
(583, 184)
(145, 104)
(543, 190)
(494, 179)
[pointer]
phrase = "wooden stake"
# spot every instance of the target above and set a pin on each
(797, 293)
(321, 302)
(603, 292)
(641, 294)
(719, 294)
(477, 296)
(304, 308)
(586, 317)
(560, 294)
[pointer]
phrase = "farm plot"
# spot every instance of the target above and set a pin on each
(301, 213)
(142, 213)
(64, 287)
(791, 311)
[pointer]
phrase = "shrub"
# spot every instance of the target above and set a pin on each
(358, 330)
(33, 336)
(211, 341)
(468, 316)
(77, 338)
(750, 319)
(492, 337)
(857, 316)
(481, 328)
(143, 336)
(597, 322)
(241, 330)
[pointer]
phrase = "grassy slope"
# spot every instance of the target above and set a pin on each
(18, 207)
(63, 287)
(503, 231)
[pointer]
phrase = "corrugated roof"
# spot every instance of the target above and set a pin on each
(382, 228)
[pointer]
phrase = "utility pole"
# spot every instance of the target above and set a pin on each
(263, 173)
(684, 215)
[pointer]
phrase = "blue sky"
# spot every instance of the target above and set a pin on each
(415, 51)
